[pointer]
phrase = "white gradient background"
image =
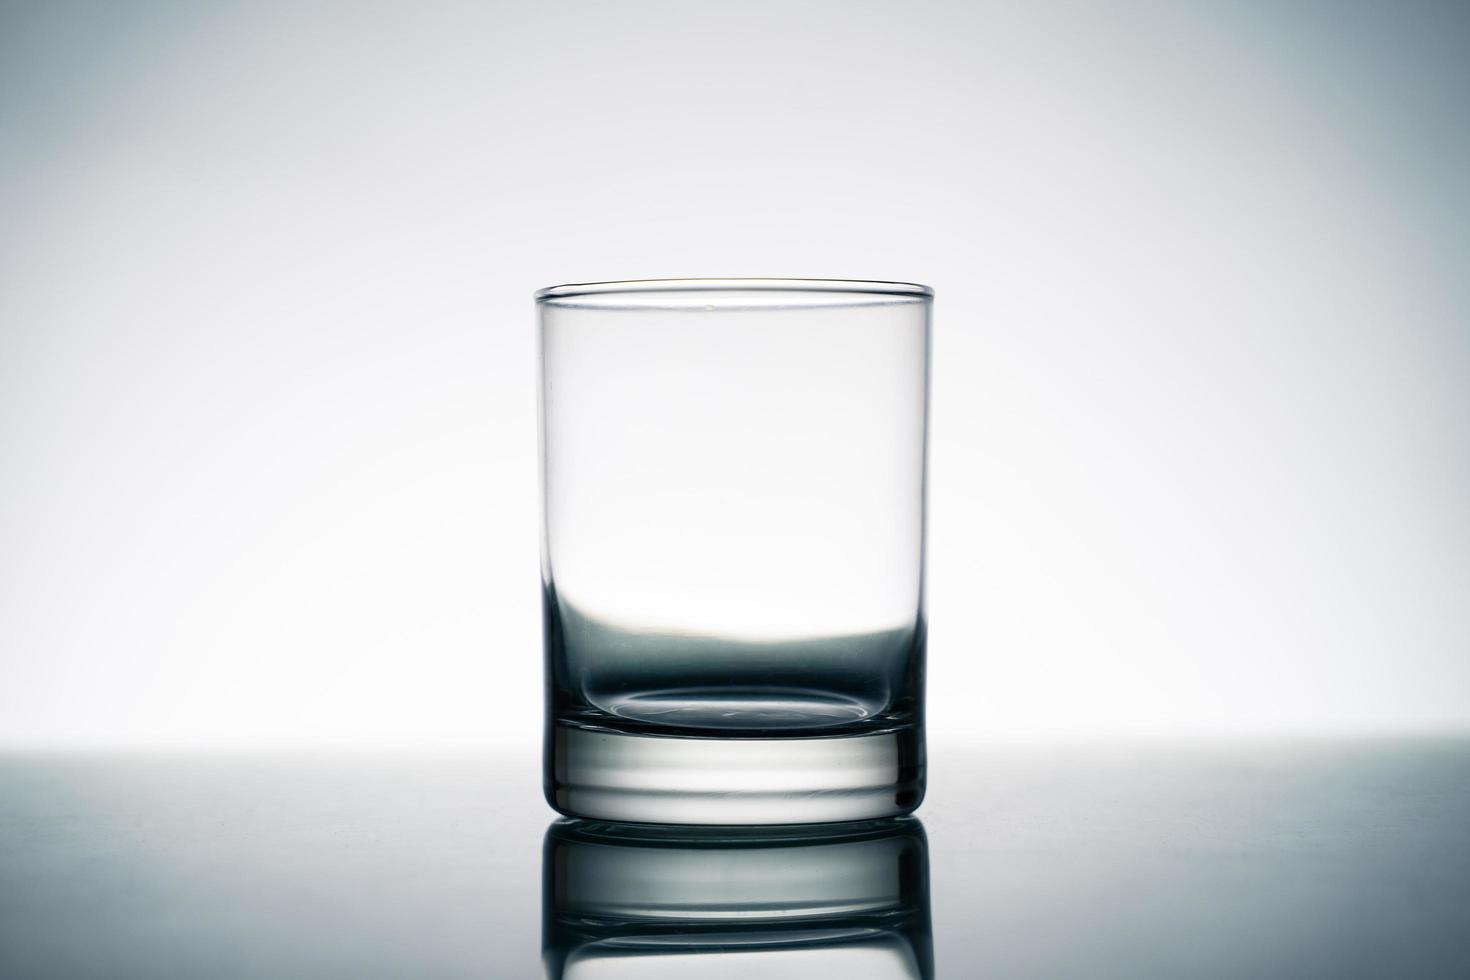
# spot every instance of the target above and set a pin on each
(1201, 440)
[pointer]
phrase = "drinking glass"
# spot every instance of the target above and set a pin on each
(733, 493)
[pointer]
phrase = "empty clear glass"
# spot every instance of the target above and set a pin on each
(732, 553)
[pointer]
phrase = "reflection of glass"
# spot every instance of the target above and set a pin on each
(847, 901)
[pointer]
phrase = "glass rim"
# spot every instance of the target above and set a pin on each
(872, 287)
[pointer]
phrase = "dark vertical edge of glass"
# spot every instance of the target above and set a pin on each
(920, 661)
(551, 644)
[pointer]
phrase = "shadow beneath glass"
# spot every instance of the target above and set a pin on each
(624, 901)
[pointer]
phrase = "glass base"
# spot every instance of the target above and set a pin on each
(609, 775)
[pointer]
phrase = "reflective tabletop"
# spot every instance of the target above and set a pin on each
(1283, 858)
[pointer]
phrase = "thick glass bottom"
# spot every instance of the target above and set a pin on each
(610, 775)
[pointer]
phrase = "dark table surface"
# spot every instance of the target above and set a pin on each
(1247, 858)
